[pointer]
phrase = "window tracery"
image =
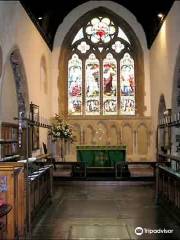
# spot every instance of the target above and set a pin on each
(101, 70)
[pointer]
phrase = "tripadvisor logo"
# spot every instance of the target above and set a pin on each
(139, 231)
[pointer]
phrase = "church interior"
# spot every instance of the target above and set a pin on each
(89, 120)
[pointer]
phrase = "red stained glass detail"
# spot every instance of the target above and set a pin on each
(101, 33)
(76, 91)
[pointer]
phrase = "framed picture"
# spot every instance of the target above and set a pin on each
(34, 112)
(34, 117)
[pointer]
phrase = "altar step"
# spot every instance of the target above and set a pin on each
(106, 174)
(100, 172)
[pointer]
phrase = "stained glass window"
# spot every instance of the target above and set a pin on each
(109, 85)
(122, 35)
(100, 29)
(101, 72)
(127, 84)
(83, 47)
(92, 103)
(75, 85)
(118, 46)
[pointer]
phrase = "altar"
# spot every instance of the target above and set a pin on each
(101, 156)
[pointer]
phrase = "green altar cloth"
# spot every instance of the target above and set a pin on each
(101, 156)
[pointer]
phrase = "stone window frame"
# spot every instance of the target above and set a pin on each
(66, 53)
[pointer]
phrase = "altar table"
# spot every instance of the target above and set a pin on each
(101, 156)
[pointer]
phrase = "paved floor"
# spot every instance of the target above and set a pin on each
(104, 210)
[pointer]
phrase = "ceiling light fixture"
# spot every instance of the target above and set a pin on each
(160, 15)
(40, 18)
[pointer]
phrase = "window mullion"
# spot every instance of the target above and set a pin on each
(83, 87)
(118, 88)
(101, 86)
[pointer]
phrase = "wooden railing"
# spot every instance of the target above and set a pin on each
(41, 188)
(174, 161)
(168, 189)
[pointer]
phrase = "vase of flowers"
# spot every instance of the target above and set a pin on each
(61, 132)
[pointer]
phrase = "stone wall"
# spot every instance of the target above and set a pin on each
(135, 133)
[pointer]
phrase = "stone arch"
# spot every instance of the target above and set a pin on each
(162, 106)
(101, 133)
(175, 132)
(8, 95)
(72, 147)
(20, 81)
(43, 75)
(142, 139)
(77, 132)
(127, 137)
(176, 85)
(89, 135)
(14, 74)
(15, 61)
(160, 134)
(113, 134)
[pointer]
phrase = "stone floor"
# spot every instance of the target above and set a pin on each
(104, 210)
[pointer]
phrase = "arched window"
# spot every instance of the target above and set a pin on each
(103, 65)
(107, 84)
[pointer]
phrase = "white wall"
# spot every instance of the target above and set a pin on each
(8, 104)
(163, 54)
(17, 30)
(72, 17)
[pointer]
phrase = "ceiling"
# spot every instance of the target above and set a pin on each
(52, 15)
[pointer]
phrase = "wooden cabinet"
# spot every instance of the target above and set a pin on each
(24, 194)
(13, 192)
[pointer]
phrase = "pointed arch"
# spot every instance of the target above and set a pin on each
(136, 53)
(43, 75)
(18, 102)
(142, 139)
(15, 61)
(89, 136)
(20, 81)
(176, 85)
(162, 107)
(113, 134)
(127, 137)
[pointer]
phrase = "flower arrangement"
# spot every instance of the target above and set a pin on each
(60, 129)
